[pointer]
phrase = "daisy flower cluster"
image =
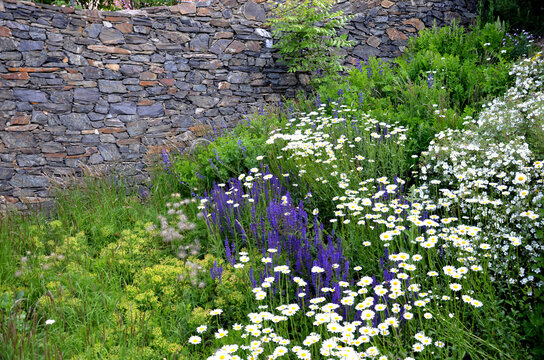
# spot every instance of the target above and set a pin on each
(381, 312)
(328, 151)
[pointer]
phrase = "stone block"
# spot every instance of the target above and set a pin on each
(52, 147)
(235, 47)
(415, 22)
(125, 28)
(5, 31)
(135, 128)
(75, 121)
(109, 49)
(184, 8)
(396, 35)
(131, 70)
(219, 46)
(16, 76)
(86, 95)
(387, 4)
(95, 159)
(29, 181)
(154, 110)
(6, 173)
(123, 108)
(110, 36)
(109, 86)
(200, 43)
(203, 101)
(7, 44)
(253, 11)
(22, 128)
(93, 30)
(30, 45)
(20, 120)
(34, 96)
(31, 160)
(238, 77)
(373, 41)
(109, 152)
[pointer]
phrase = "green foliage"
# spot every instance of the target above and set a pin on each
(114, 295)
(214, 159)
(445, 74)
(307, 35)
(139, 4)
(104, 206)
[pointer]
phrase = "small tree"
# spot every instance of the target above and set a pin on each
(307, 35)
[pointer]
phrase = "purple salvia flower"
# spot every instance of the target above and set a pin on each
(430, 80)
(166, 159)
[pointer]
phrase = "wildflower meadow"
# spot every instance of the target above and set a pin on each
(395, 214)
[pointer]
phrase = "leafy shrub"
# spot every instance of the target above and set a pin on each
(307, 35)
(494, 151)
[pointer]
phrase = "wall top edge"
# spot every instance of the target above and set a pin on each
(186, 8)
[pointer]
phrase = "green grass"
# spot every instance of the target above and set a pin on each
(114, 286)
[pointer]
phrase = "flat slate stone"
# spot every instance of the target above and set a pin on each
(29, 95)
(110, 36)
(109, 152)
(86, 95)
(60, 21)
(203, 101)
(219, 46)
(93, 30)
(109, 86)
(30, 45)
(374, 41)
(123, 108)
(6, 173)
(7, 44)
(154, 110)
(75, 121)
(31, 160)
(253, 11)
(16, 140)
(200, 43)
(52, 147)
(29, 181)
(135, 128)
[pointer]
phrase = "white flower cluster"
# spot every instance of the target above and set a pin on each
(522, 105)
(496, 180)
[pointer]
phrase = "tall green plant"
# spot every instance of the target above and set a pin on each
(307, 35)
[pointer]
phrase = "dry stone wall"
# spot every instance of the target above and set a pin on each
(81, 87)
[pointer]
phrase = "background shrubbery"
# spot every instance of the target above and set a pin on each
(520, 14)
(445, 74)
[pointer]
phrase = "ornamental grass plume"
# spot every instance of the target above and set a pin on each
(170, 233)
